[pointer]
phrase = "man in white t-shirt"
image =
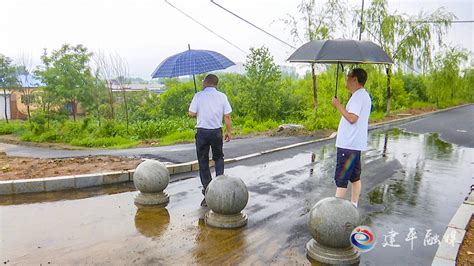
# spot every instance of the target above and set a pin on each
(352, 134)
(210, 106)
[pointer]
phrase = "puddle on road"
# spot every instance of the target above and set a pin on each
(409, 181)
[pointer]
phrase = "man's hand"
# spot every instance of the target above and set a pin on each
(336, 103)
(350, 117)
(228, 137)
(228, 125)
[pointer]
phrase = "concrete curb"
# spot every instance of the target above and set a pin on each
(447, 252)
(88, 180)
(63, 182)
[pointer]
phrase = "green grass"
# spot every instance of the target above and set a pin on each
(82, 139)
(245, 126)
(13, 126)
(178, 137)
(112, 134)
(105, 142)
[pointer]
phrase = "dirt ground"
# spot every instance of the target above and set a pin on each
(26, 168)
(466, 252)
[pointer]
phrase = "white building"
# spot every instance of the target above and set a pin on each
(2, 105)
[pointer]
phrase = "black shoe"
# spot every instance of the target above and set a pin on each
(204, 203)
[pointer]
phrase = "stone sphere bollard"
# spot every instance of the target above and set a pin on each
(331, 222)
(151, 177)
(226, 196)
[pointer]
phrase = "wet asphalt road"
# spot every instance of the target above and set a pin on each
(409, 181)
(455, 126)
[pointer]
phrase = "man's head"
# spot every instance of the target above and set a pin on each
(210, 80)
(356, 78)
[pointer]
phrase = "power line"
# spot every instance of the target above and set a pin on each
(207, 28)
(253, 25)
(432, 21)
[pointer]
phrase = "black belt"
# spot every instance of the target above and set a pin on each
(207, 129)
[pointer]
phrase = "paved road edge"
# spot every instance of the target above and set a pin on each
(453, 237)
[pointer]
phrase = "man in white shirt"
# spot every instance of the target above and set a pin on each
(210, 106)
(352, 134)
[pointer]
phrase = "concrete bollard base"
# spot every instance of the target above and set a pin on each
(320, 253)
(226, 220)
(147, 199)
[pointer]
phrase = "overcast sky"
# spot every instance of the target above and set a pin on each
(145, 32)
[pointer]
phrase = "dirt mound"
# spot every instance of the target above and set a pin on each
(12, 168)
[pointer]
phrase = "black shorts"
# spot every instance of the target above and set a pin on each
(347, 167)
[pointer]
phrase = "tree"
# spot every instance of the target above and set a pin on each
(7, 79)
(24, 77)
(262, 84)
(233, 85)
(105, 71)
(468, 81)
(99, 94)
(67, 75)
(177, 97)
(415, 87)
(320, 21)
(445, 77)
(407, 39)
(144, 106)
(122, 79)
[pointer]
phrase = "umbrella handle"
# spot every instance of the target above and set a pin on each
(194, 79)
(337, 80)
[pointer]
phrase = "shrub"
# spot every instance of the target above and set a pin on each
(376, 116)
(11, 127)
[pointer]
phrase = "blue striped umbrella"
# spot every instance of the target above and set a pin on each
(191, 62)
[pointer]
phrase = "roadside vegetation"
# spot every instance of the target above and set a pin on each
(263, 98)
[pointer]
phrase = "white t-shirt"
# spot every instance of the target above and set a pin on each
(354, 136)
(211, 106)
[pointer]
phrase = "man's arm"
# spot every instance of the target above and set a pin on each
(352, 118)
(193, 107)
(228, 126)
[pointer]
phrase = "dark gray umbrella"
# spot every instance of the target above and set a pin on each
(340, 51)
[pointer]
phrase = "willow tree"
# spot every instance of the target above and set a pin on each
(409, 40)
(445, 76)
(319, 20)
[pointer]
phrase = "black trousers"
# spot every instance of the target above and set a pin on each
(209, 139)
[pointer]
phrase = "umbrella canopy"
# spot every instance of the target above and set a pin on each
(340, 51)
(191, 62)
